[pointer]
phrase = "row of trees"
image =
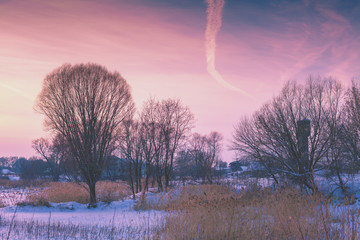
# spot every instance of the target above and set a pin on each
(200, 156)
(152, 144)
(91, 116)
(30, 169)
(153, 139)
(270, 135)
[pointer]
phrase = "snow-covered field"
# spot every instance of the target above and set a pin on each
(108, 221)
(12, 196)
(115, 220)
(119, 213)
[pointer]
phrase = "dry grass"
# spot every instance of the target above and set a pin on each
(193, 196)
(218, 212)
(58, 192)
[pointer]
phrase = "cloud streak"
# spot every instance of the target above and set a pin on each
(15, 90)
(214, 21)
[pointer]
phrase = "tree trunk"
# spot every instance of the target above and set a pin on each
(140, 177)
(310, 183)
(159, 182)
(341, 182)
(55, 176)
(131, 181)
(92, 203)
(167, 180)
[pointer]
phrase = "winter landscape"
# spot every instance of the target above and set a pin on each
(179, 119)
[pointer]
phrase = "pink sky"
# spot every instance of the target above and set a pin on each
(158, 47)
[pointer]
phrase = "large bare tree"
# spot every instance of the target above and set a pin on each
(270, 136)
(86, 104)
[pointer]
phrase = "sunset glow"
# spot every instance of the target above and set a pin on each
(167, 49)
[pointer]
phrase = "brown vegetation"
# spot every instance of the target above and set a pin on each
(218, 212)
(57, 192)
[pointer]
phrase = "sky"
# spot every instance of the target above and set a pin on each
(162, 49)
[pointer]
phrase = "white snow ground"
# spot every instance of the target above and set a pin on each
(119, 213)
(117, 220)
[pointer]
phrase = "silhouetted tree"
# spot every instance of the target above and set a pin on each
(165, 125)
(270, 136)
(351, 124)
(116, 169)
(131, 149)
(86, 104)
(30, 169)
(343, 156)
(205, 150)
(185, 165)
(235, 166)
(50, 154)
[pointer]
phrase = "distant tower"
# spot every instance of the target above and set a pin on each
(302, 135)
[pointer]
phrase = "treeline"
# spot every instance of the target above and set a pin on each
(29, 169)
(271, 138)
(37, 168)
(152, 148)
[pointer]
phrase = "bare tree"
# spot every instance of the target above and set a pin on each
(270, 136)
(344, 153)
(205, 150)
(165, 126)
(57, 153)
(131, 149)
(339, 160)
(86, 104)
(176, 122)
(185, 166)
(149, 134)
(50, 154)
(351, 124)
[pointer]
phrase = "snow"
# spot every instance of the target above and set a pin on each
(116, 213)
(6, 171)
(130, 224)
(71, 220)
(11, 196)
(13, 178)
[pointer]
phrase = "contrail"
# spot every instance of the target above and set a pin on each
(15, 90)
(214, 20)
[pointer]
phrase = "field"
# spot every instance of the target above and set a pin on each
(220, 211)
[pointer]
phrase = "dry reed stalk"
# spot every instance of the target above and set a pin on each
(215, 212)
